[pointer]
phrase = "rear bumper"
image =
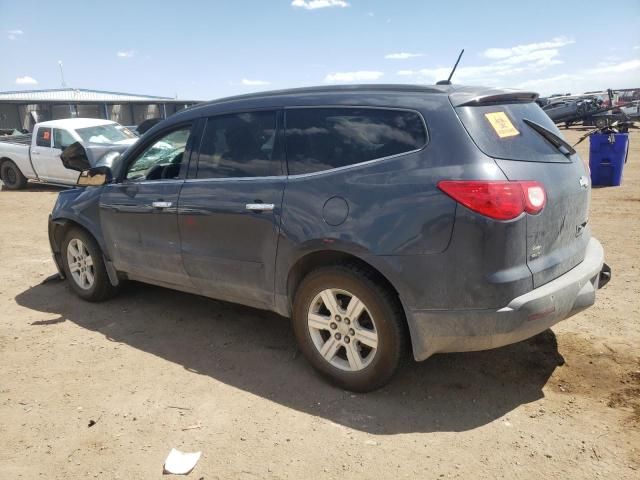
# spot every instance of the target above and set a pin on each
(434, 331)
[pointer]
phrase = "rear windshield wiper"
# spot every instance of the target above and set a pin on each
(551, 137)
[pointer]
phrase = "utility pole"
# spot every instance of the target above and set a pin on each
(64, 85)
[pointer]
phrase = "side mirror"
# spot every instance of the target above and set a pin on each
(94, 177)
(74, 157)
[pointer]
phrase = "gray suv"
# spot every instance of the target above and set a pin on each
(382, 219)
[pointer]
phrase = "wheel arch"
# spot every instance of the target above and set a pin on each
(321, 258)
(4, 160)
(58, 228)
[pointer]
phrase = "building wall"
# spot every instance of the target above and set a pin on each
(26, 115)
(90, 111)
(62, 111)
(120, 113)
(9, 116)
(145, 112)
(33, 113)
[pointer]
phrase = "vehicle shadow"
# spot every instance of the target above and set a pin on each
(255, 351)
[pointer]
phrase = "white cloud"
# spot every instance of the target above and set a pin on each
(539, 58)
(550, 84)
(470, 75)
(371, 14)
(519, 50)
(615, 75)
(504, 68)
(247, 82)
(126, 53)
(616, 67)
(359, 76)
(637, 47)
(26, 80)
(14, 34)
(402, 56)
(315, 4)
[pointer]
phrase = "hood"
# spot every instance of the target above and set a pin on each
(127, 141)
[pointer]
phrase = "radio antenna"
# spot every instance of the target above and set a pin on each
(448, 80)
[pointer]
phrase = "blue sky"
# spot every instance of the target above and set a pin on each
(209, 49)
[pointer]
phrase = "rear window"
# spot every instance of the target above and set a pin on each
(43, 138)
(324, 138)
(500, 132)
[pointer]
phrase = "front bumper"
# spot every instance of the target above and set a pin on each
(55, 248)
(434, 331)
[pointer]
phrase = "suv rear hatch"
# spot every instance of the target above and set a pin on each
(526, 145)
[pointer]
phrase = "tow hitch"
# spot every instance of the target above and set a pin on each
(605, 275)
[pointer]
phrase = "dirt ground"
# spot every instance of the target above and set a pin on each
(156, 369)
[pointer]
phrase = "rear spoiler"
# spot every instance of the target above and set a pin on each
(491, 97)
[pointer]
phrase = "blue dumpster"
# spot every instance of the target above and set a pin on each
(607, 156)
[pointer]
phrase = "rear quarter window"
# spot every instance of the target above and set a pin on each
(320, 139)
(526, 145)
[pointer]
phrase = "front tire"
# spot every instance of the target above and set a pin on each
(11, 176)
(84, 266)
(349, 327)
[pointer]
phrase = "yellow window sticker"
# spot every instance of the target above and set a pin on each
(501, 124)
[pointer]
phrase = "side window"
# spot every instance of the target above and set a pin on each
(324, 138)
(62, 138)
(162, 159)
(43, 138)
(240, 145)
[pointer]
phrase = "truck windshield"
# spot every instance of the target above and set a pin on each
(109, 133)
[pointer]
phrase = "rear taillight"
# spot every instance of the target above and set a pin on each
(500, 200)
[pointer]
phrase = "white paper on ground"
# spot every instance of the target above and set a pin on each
(180, 463)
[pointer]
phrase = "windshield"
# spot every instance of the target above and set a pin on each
(109, 133)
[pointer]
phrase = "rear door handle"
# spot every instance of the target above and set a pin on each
(161, 204)
(260, 207)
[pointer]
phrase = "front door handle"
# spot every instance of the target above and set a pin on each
(161, 204)
(260, 207)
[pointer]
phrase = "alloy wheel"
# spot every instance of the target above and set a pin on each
(342, 329)
(80, 264)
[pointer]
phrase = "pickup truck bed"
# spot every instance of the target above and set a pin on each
(17, 139)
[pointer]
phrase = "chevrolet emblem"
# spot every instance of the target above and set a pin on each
(584, 181)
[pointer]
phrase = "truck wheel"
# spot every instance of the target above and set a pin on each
(84, 267)
(349, 327)
(11, 176)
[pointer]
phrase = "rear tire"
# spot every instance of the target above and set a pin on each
(360, 353)
(84, 266)
(11, 176)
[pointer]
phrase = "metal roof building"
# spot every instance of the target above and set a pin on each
(22, 109)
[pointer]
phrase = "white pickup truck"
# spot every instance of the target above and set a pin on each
(37, 156)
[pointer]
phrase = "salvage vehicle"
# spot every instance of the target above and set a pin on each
(599, 109)
(37, 157)
(381, 219)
